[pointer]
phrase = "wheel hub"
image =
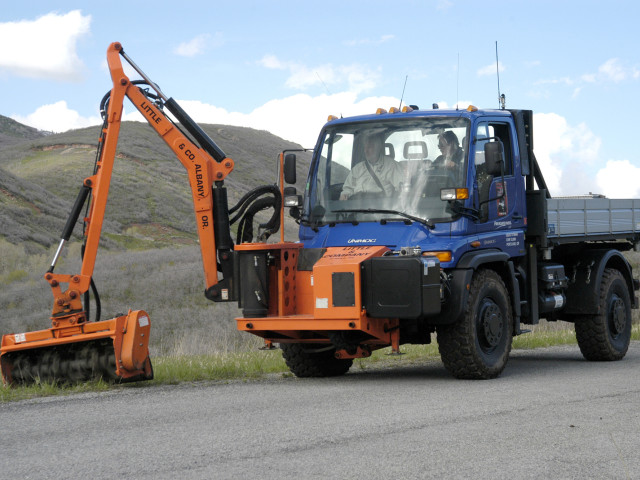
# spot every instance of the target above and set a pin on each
(617, 315)
(492, 323)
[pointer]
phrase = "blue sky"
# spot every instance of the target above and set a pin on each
(284, 66)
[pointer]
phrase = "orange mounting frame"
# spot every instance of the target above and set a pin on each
(302, 308)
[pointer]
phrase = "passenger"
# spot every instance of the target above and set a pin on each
(452, 157)
(376, 173)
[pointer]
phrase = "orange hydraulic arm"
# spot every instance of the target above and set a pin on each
(202, 169)
(118, 348)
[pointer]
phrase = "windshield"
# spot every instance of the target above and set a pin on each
(369, 171)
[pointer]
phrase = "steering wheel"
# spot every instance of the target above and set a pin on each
(366, 195)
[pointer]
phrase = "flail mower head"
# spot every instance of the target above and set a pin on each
(114, 350)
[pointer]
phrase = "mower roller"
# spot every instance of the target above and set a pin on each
(114, 350)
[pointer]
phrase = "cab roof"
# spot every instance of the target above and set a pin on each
(384, 115)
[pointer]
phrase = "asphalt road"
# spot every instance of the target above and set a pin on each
(550, 415)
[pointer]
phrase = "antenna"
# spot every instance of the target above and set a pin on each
(458, 82)
(405, 86)
(323, 84)
(501, 97)
(325, 87)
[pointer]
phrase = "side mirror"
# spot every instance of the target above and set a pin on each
(291, 197)
(293, 201)
(494, 158)
(290, 168)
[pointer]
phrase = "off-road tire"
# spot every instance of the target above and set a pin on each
(306, 360)
(606, 336)
(478, 345)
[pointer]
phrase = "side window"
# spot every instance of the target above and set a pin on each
(481, 134)
(342, 153)
(494, 130)
(333, 167)
(502, 131)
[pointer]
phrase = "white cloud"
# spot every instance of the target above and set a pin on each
(619, 179)
(198, 45)
(282, 116)
(613, 70)
(589, 78)
(490, 69)
(45, 47)
(56, 117)
(555, 81)
(565, 154)
(443, 105)
(444, 5)
(368, 41)
(356, 78)
(273, 63)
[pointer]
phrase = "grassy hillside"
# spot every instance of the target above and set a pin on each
(150, 201)
(12, 132)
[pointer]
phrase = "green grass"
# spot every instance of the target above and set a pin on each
(224, 366)
(251, 365)
(49, 389)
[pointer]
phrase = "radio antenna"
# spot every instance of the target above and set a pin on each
(325, 87)
(501, 97)
(403, 88)
(458, 82)
(323, 84)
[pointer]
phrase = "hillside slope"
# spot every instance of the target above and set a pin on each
(149, 202)
(12, 132)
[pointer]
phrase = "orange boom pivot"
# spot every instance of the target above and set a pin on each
(75, 348)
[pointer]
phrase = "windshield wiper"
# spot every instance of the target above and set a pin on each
(423, 221)
(458, 209)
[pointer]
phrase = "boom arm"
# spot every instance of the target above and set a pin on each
(202, 169)
(74, 348)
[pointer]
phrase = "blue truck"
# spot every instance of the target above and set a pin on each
(450, 231)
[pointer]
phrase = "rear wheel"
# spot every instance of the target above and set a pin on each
(307, 360)
(606, 336)
(478, 346)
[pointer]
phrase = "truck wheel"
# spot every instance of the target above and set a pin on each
(606, 336)
(478, 346)
(306, 360)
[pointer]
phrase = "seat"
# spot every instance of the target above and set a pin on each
(416, 150)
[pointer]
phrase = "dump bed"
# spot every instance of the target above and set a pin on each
(580, 219)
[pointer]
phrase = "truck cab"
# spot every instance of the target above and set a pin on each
(448, 207)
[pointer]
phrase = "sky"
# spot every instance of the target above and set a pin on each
(285, 66)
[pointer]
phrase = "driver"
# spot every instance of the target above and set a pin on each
(376, 173)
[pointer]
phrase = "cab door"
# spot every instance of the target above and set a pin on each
(501, 222)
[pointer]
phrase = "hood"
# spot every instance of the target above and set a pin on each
(391, 234)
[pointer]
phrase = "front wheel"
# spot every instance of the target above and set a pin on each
(307, 360)
(478, 346)
(606, 336)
